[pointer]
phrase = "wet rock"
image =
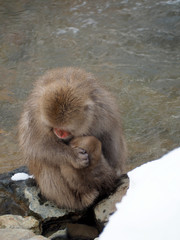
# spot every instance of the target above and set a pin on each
(18, 222)
(81, 231)
(61, 234)
(12, 194)
(45, 209)
(16, 234)
(23, 198)
(107, 206)
(39, 237)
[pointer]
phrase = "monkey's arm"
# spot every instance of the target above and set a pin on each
(55, 153)
(39, 143)
(114, 149)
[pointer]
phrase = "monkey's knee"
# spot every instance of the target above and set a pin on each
(87, 199)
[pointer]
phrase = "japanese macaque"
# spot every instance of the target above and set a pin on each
(71, 137)
(104, 177)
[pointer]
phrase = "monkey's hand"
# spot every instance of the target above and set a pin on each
(82, 159)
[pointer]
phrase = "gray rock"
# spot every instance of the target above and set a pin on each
(23, 198)
(106, 207)
(45, 209)
(11, 194)
(18, 222)
(15, 234)
(19, 234)
(38, 237)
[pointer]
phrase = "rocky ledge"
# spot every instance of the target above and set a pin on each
(25, 214)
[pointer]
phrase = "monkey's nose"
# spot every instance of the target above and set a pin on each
(61, 133)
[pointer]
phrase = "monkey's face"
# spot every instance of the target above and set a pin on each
(67, 112)
(76, 124)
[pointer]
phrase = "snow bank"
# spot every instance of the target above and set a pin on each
(151, 208)
(20, 176)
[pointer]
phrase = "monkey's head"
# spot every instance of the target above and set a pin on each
(66, 110)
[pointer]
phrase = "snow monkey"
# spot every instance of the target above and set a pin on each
(71, 136)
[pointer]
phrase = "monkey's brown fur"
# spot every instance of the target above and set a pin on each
(71, 99)
(99, 170)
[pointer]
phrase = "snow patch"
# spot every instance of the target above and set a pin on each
(20, 176)
(151, 208)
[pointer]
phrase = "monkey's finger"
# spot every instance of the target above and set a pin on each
(83, 160)
(83, 156)
(81, 150)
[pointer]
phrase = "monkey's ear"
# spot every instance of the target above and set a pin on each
(89, 105)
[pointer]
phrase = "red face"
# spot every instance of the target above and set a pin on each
(62, 134)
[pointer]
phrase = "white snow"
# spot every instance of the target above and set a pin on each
(20, 176)
(151, 208)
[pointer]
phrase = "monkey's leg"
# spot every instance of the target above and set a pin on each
(54, 187)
